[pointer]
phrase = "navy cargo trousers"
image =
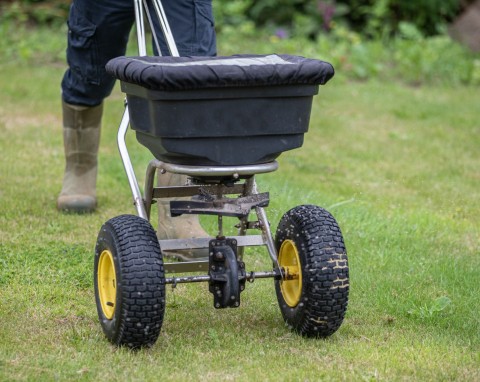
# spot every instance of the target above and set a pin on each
(98, 30)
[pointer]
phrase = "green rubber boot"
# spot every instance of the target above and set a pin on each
(81, 138)
(179, 227)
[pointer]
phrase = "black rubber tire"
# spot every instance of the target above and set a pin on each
(324, 267)
(140, 281)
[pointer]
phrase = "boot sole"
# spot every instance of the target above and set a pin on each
(77, 204)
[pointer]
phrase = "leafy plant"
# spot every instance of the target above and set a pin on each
(439, 305)
(384, 17)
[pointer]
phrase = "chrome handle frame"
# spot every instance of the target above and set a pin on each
(140, 7)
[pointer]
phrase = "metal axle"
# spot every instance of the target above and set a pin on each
(251, 277)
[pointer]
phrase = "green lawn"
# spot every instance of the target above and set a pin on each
(398, 166)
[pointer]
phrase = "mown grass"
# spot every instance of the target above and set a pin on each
(397, 165)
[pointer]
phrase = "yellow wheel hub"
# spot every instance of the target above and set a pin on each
(291, 285)
(107, 283)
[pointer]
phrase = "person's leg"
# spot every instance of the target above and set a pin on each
(192, 25)
(98, 31)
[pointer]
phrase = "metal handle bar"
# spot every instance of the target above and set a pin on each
(142, 51)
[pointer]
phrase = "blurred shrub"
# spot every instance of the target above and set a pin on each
(373, 18)
(295, 17)
(34, 11)
(384, 17)
(408, 55)
(310, 18)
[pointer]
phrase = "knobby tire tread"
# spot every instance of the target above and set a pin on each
(325, 270)
(142, 281)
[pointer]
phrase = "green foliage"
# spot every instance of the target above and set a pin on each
(23, 43)
(230, 13)
(410, 57)
(230, 17)
(436, 59)
(383, 17)
(289, 17)
(373, 18)
(435, 308)
(44, 12)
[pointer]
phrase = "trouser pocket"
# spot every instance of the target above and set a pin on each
(205, 42)
(82, 51)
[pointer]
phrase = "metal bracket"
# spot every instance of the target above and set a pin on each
(227, 274)
(235, 207)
